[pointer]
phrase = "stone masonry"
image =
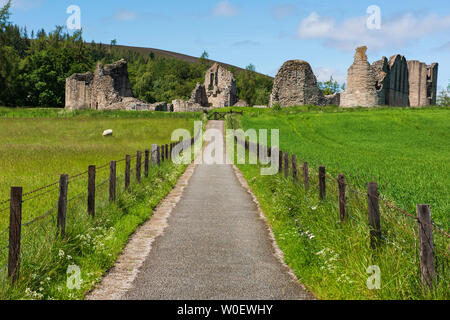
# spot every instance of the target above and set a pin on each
(220, 86)
(393, 82)
(107, 88)
(296, 84)
(361, 87)
(422, 83)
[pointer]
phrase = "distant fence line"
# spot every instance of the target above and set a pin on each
(423, 217)
(155, 156)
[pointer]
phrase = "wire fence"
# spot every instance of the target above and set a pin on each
(400, 228)
(58, 212)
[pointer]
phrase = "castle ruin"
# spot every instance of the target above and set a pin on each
(107, 88)
(296, 84)
(393, 82)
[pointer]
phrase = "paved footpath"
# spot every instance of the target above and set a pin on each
(216, 246)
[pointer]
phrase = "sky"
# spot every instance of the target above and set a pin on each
(265, 33)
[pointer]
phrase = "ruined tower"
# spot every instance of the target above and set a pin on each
(362, 83)
(393, 82)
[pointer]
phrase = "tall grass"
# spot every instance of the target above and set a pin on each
(332, 257)
(407, 151)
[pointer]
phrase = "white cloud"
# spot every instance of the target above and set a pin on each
(324, 73)
(125, 15)
(225, 9)
(22, 4)
(352, 32)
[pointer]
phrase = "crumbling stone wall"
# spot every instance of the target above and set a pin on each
(296, 84)
(186, 106)
(362, 83)
(397, 94)
(220, 86)
(79, 90)
(422, 83)
(107, 88)
(396, 82)
(199, 95)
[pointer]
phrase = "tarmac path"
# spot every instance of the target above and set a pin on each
(216, 245)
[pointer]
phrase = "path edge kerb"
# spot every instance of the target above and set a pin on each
(277, 252)
(119, 279)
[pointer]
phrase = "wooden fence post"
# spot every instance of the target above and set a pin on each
(322, 183)
(138, 166)
(286, 165)
(91, 191)
(146, 162)
(374, 214)
(163, 153)
(426, 244)
(167, 152)
(112, 181)
(280, 161)
(306, 176)
(62, 204)
(342, 198)
(294, 168)
(127, 172)
(258, 154)
(15, 228)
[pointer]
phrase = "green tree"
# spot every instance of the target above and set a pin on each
(330, 86)
(253, 87)
(443, 99)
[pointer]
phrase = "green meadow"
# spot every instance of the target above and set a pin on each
(407, 151)
(36, 146)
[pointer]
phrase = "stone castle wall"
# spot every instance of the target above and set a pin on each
(296, 84)
(107, 88)
(393, 82)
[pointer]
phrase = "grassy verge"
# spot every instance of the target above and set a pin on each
(405, 150)
(331, 257)
(92, 244)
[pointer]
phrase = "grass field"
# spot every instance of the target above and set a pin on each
(330, 257)
(405, 150)
(36, 146)
(36, 150)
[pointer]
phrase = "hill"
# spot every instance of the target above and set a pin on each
(179, 56)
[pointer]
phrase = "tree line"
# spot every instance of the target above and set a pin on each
(34, 68)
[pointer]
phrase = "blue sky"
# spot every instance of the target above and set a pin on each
(262, 32)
